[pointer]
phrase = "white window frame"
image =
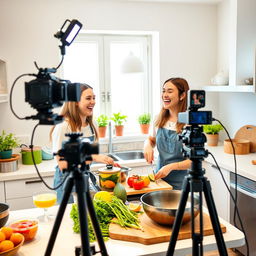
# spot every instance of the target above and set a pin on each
(152, 84)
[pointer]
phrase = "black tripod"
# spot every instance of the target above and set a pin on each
(78, 177)
(196, 182)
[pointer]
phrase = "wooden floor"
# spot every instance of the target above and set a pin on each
(216, 253)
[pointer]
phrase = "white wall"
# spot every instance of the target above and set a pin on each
(187, 41)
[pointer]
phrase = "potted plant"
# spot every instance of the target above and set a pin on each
(212, 133)
(119, 120)
(7, 143)
(102, 122)
(144, 121)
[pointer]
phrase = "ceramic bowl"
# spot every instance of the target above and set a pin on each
(4, 214)
(161, 206)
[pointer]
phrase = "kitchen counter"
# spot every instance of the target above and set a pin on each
(226, 161)
(233, 238)
(47, 168)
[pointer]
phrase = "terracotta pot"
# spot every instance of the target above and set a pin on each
(144, 128)
(212, 139)
(102, 131)
(119, 130)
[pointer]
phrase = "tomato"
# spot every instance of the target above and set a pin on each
(131, 179)
(138, 184)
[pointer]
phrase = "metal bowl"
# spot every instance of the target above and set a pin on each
(161, 206)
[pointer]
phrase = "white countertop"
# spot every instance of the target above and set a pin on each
(47, 168)
(67, 240)
(244, 162)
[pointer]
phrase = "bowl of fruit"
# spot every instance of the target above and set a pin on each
(28, 228)
(10, 242)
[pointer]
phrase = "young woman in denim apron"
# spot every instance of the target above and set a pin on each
(171, 166)
(78, 118)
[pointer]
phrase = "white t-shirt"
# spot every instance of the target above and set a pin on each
(169, 125)
(58, 135)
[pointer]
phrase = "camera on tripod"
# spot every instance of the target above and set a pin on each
(47, 91)
(192, 135)
(193, 116)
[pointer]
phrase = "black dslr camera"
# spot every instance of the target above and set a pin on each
(192, 135)
(47, 91)
(193, 116)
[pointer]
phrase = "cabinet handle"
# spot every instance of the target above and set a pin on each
(108, 96)
(103, 96)
(32, 181)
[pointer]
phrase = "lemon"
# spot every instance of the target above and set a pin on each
(103, 195)
(152, 177)
(146, 180)
(134, 207)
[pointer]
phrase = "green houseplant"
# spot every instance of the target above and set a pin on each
(7, 143)
(144, 121)
(212, 133)
(102, 122)
(119, 120)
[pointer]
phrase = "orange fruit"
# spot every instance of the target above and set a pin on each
(134, 207)
(2, 236)
(16, 238)
(108, 184)
(6, 245)
(146, 180)
(7, 231)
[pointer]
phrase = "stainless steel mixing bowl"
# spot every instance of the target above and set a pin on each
(161, 206)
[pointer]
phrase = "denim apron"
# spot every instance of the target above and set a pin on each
(170, 151)
(59, 176)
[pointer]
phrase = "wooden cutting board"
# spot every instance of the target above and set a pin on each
(248, 132)
(154, 233)
(153, 186)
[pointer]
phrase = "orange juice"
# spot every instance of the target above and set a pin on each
(45, 200)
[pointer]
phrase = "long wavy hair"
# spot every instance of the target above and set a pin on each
(70, 112)
(164, 115)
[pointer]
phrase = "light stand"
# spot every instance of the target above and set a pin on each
(196, 182)
(78, 177)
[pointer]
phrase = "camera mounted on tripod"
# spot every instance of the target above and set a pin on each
(192, 135)
(47, 91)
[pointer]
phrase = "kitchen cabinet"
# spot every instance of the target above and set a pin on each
(220, 193)
(3, 82)
(236, 44)
(2, 196)
(18, 193)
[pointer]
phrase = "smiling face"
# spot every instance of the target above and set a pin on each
(86, 103)
(170, 96)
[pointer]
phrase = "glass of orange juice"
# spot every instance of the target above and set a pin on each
(45, 200)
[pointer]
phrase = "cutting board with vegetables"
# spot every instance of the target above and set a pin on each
(248, 132)
(154, 233)
(153, 186)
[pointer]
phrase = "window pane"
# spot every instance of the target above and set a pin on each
(81, 65)
(126, 89)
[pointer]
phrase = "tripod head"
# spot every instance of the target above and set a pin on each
(77, 150)
(193, 139)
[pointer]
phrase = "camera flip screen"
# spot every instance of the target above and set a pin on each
(197, 99)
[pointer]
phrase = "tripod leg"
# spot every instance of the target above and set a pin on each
(81, 184)
(96, 225)
(61, 211)
(214, 218)
(179, 217)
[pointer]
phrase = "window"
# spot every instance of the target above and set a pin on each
(97, 59)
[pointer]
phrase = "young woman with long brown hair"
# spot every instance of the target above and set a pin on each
(171, 166)
(78, 117)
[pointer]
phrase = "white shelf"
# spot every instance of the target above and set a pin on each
(229, 88)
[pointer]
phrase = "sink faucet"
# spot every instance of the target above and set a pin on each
(110, 143)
